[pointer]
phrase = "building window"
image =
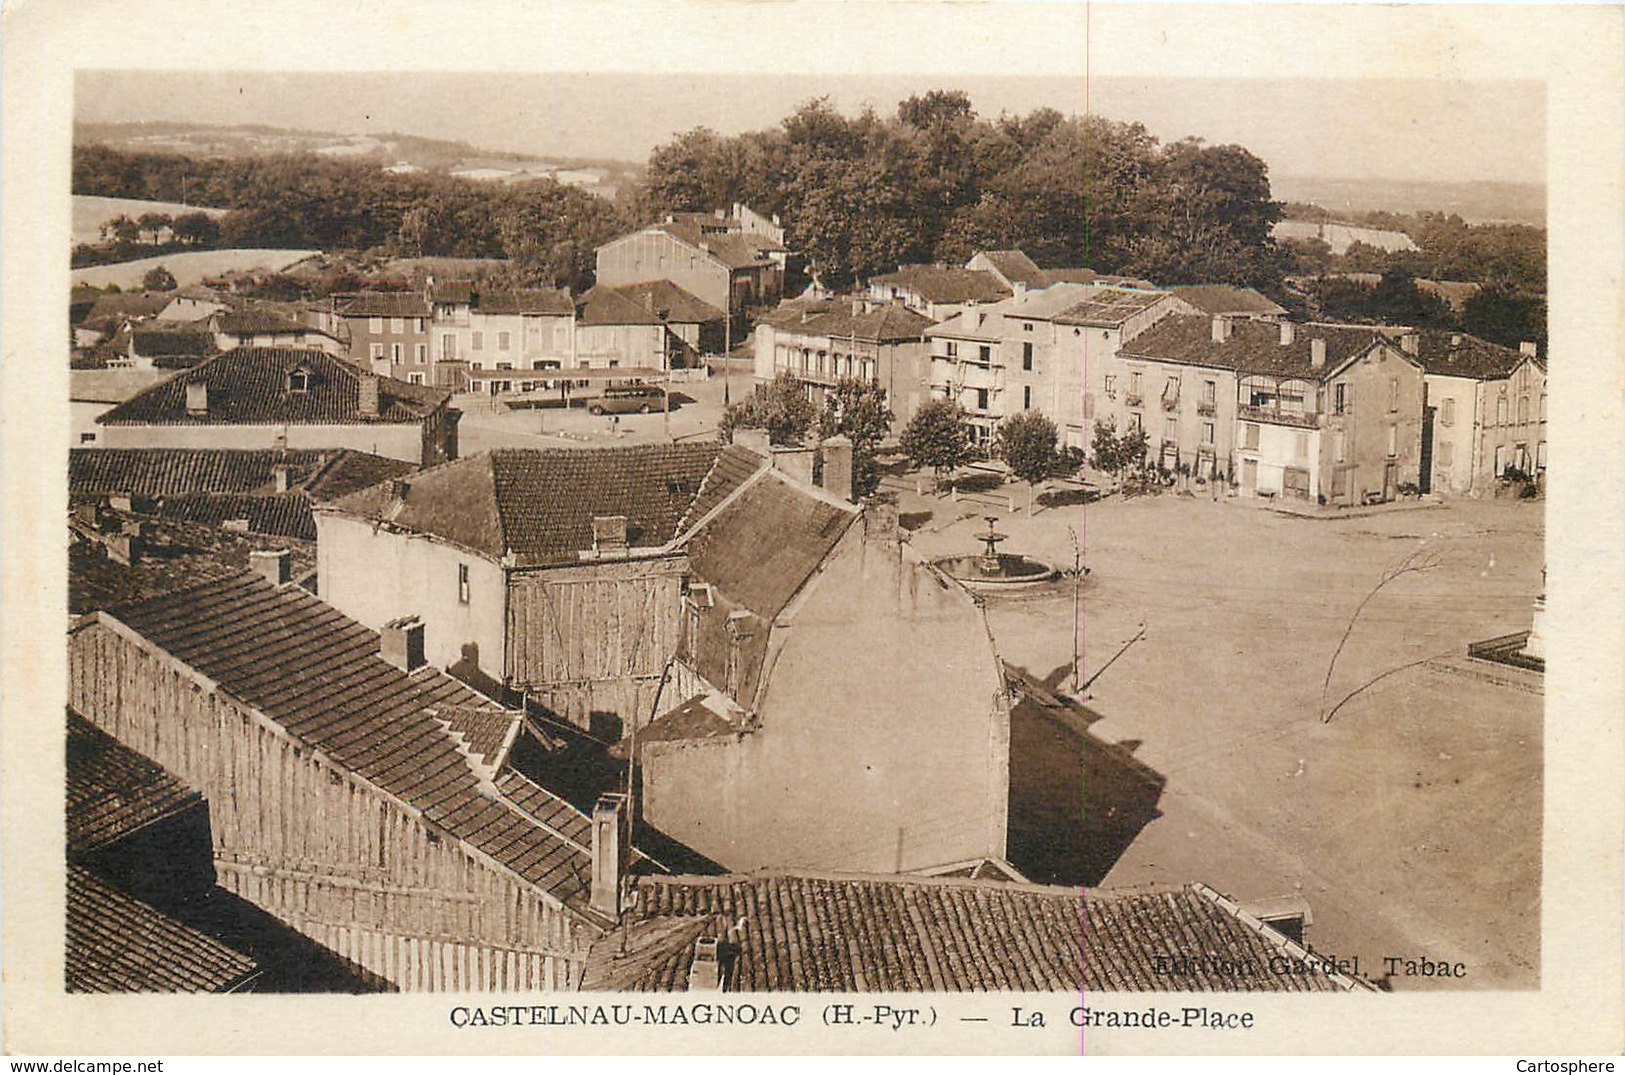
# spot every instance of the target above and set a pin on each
(504, 339)
(397, 325)
(478, 341)
(1543, 407)
(462, 584)
(376, 350)
(418, 325)
(1501, 411)
(414, 378)
(87, 438)
(1393, 441)
(1393, 393)
(981, 399)
(1523, 410)
(1111, 386)
(1249, 436)
(1026, 397)
(1339, 447)
(1136, 421)
(1446, 453)
(1027, 355)
(420, 353)
(1026, 326)
(985, 353)
(298, 381)
(1340, 398)
(1210, 392)
(448, 346)
(952, 349)
(1540, 455)
(397, 353)
(375, 325)
(1134, 383)
(1447, 413)
(1207, 432)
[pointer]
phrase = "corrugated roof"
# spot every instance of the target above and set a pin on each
(806, 933)
(251, 386)
(1109, 307)
(1253, 346)
(317, 673)
(113, 791)
(118, 944)
(946, 283)
(540, 503)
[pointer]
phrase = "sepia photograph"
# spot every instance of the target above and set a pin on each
(734, 536)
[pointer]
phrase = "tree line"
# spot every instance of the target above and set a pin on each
(549, 231)
(936, 182)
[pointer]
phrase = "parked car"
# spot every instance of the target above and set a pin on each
(641, 398)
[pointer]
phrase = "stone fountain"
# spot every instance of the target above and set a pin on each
(994, 570)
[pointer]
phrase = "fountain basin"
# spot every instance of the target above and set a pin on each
(1001, 572)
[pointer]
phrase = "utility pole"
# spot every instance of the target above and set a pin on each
(727, 345)
(1077, 610)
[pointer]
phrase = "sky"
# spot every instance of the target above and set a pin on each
(1447, 129)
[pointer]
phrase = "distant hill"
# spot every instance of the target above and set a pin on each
(1475, 202)
(403, 151)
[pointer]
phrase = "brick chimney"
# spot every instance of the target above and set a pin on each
(282, 477)
(1411, 343)
(401, 643)
(1317, 353)
(367, 395)
(197, 399)
(1289, 332)
(608, 853)
(1221, 329)
(125, 547)
(1528, 347)
(838, 467)
(609, 535)
(273, 565)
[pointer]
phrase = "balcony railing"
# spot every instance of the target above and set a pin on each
(1276, 416)
(1207, 408)
(1170, 403)
(1133, 399)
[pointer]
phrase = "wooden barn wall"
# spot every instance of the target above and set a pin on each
(596, 637)
(320, 849)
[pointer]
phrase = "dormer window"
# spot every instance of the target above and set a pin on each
(299, 380)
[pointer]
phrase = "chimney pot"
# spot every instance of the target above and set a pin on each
(1221, 329)
(282, 476)
(367, 396)
(1317, 353)
(273, 565)
(608, 853)
(1527, 347)
(401, 643)
(197, 399)
(1289, 332)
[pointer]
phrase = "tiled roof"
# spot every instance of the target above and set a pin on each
(1456, 354)
(551, 301)
(250, 385)
(1214, 299)
(453, 292)
(113, 791)
(317, 673)
(946, 283)
(381, 304)
(882, 934)
(113, 307)
(608, 306)
(348, 470)
(757, 552)
(154, 472)
(488, 732)
(1109, 307)
(1015, 266)
(179, 554)
(252, 320)
(272, 514)
(118, 944)
(670, 303)
(155, 340)
(1253, 346)
(730, 248)
(734, 466)
(880, 322)
(540, 503)
(1090, 276)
